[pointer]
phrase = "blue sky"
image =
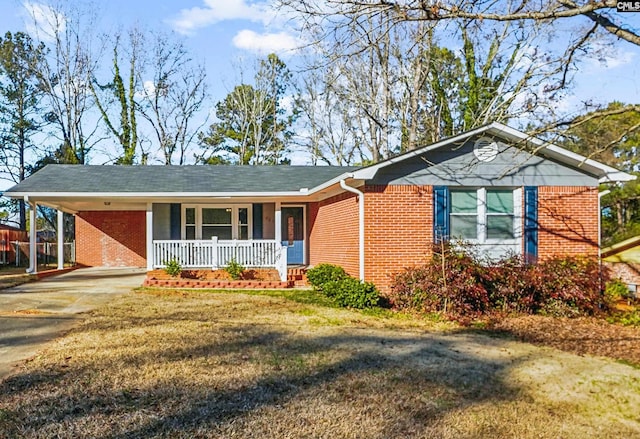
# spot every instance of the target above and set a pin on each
(229, 35)
(224, 33)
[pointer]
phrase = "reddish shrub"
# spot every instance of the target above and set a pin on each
(463, 286)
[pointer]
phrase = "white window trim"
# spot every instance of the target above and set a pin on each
(234, 218)
(482, 216)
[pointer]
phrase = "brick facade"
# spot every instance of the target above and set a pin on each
(111, 238)
(398, 230)
(333, 232)
(567, 221)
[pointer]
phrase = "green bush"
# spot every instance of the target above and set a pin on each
(173, 267)
(616, 290)
(352, 293)
(235, 269)
(323, 273)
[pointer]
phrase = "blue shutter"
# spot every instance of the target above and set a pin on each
(257, 221)
(530, 223)
(175, 220)
(440, 213)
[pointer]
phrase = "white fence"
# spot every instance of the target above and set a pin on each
(214, 253)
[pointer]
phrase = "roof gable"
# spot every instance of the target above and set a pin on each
(457, 165)
(515, 138)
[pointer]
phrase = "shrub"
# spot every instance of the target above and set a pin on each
(350, 292)
(461, 285)
(323, 273)
(616, 290)
(451, 283)
(173, 267)
(234, 269)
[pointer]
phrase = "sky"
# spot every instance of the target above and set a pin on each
(230, 35)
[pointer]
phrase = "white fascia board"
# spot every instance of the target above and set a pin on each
(333, 182)
(147, 195)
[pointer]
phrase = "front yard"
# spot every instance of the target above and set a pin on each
(182, 364)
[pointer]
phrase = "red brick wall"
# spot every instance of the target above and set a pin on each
(333, 232)
(398, 230)
(568, 221)
(111, 238)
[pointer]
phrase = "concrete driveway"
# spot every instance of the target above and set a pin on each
(34, 313)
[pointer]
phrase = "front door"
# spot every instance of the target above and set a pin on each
(293, 234)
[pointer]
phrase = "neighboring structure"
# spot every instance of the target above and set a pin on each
(623, 259)
(8, 237)
(481, 186)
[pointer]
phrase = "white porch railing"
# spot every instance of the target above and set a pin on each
(214, 253)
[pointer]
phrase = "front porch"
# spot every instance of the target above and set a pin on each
(214, 253)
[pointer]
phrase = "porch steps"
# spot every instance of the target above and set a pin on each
(297, 277)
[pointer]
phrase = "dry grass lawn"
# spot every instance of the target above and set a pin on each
(205, 365)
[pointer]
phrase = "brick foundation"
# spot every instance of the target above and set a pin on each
(111, 238)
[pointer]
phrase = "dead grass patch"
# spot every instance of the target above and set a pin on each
(177, 364)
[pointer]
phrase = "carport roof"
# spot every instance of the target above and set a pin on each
(176, 179)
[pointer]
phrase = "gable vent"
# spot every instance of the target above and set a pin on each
(485, 149)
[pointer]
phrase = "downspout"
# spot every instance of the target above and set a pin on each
(360, 195)
(600, 195)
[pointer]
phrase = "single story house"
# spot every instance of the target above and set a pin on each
(493, 186)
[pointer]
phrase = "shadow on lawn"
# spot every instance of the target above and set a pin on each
(421, 366)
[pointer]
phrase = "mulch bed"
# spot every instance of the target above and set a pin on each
(253, 278)
(582, 336)
(251, 274)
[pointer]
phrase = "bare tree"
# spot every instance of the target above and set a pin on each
(415, 82)
(173, 92)
(64, 78)
(588, 22)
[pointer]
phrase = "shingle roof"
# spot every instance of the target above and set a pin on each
(174, 179)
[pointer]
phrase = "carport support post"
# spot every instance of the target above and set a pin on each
(33, 254)
(149, 236)
(60, 240)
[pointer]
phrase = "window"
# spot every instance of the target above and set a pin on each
(485, 215)
(225, 222)
(217, 221)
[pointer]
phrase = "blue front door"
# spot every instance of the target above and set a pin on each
(293, 234)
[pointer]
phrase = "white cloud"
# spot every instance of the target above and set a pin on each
(606, 57)
(42, 22)
(266, 43)
(215, 11)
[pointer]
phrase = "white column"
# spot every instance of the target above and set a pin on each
(149, 236)
(278, 220)
(60, 240)
(33, 254)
